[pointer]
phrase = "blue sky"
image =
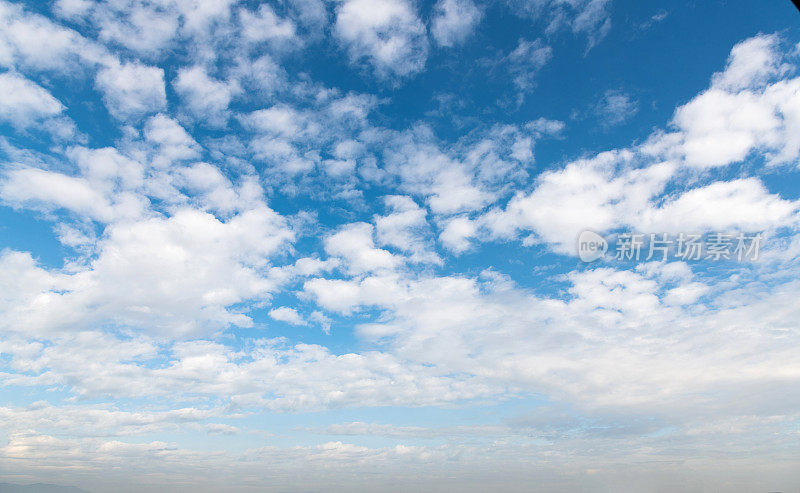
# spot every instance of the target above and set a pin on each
(314, 245)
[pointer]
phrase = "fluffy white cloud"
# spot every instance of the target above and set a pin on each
(745, 109)
(752, 62)
(586, 194)
(288, 315)
(387, 33)
(173, 276)
(265, 26)
(457, 233)
(743, 205)
(33, 41)
(465, 325)
(139, 26)
(23, 102)
(172, 141)
(29, 186)
(625, 188)
(590, 194)
(355, 245)
(454, 21)
(72, 9)
(132, 89)
(447, 184)
(406, 229)
(205, 98)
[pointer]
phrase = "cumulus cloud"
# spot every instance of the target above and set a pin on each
(34, 41)
(265, 26)
(142, 27)
(406, 228)
(287, 314)
(457, 232)
(30, 185)
(172, 140)
(355, 245)
(454, 21)
(23, 102)
(132, 89)
(746, 108)
(211, 265)
(386, 33)
(205, 98)
(737, 205)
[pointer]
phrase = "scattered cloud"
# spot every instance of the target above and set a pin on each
(615, 107)
(454, 21)
(387, 34)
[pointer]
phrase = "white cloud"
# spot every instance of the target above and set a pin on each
(586, 194)
(745, 109)
(355, 245)
(173, 142)
(752, 62)
(89, 420)
(23, 102)
(132, 90)
(742, 205)
(525, 61)
(288, 315)
(167, 275)
(465, 325)
(29, 186)
(457, 233)
(33, 41)
(72, 9)
(265, 26)
(593, 20)
(200, 15)
(722, 128)
(387, 33)
(139, 26)
(454, 21)
(622, 189)
(206, 99)
(446, 183)
(406, 229)
(615, 107)
(587, 17)
(311, 14)
(261, 74)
